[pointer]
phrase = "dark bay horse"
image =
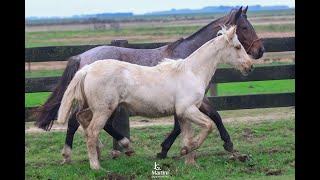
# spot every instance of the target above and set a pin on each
(182, 48)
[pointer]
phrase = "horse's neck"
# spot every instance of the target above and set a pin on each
(204, 61)
(195, 41)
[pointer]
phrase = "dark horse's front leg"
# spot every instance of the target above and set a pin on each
(207, 109)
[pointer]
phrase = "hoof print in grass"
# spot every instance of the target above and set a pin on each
(273, 173)
(240, 157)
(167, 164)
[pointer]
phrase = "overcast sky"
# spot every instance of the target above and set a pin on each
(47, 8)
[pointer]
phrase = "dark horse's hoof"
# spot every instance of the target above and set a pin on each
(129, 151)
(161, 156)
(229, 147)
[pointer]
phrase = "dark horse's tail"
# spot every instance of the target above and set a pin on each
(47, 113)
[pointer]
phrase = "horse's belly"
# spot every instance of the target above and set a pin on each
(156, 107)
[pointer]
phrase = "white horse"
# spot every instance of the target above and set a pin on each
(171, 87)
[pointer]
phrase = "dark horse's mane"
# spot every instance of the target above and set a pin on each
(171, 46)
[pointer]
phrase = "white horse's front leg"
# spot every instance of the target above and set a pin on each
(194, 115)
(186, 133)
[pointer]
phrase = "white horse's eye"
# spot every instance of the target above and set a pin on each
(238, 46)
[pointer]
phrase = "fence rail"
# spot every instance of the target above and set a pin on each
(223, 75)
(62, 53)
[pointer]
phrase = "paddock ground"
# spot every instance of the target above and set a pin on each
(266, 136)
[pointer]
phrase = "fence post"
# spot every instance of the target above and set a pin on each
(29, 66)
(119, 42)
(121, 120)
(214, 89)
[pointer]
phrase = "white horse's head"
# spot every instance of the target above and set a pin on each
(235, 54)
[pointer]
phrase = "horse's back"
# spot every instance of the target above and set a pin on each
(145, 57)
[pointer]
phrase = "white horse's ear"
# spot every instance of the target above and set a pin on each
(232, 32)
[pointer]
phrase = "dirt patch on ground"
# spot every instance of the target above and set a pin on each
(247, 134)
(276, 34)
(52, 65)
(108, 39)
(273, 172)
(275, 150)
(114, 176)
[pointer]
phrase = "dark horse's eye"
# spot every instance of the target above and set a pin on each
(238, 46)
(244, 28)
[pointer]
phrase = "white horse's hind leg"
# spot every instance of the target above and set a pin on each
(186, 133)
(84, 117)
(194, 115)
(96, 125)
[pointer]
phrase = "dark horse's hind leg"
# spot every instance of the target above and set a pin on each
(122, 140)
(167, 143)
(73, 126)
(207, 109)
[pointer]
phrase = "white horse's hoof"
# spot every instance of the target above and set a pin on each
(185, 150)
(66, 161)
(95, 167)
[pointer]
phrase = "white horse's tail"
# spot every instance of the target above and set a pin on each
(73, 98)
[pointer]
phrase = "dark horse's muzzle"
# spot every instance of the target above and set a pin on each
(256, 54)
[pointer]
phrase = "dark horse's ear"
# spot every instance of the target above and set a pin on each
(236, 17)
(245, 10)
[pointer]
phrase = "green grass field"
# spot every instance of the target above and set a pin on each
(43, 73)
(270, 144)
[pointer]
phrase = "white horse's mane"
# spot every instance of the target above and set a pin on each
(172, 64)
(222, 31)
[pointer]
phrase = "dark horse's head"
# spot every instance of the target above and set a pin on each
(246, 34)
